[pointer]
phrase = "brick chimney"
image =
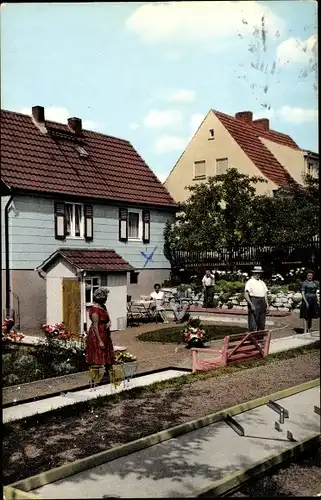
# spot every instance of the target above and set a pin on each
(38, 118)
(38, 114)
(75, 124)
(262, 123)
(245, 116)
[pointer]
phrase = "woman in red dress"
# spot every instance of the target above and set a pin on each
(99, 346)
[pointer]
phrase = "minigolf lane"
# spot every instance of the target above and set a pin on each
(191, 463)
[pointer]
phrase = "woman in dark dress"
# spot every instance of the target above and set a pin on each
(99, 346)
(309, 306)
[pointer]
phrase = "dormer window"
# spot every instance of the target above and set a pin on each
(82, 152)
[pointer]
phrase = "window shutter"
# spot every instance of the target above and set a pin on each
(123, 224)
(88, 213)
(146, 226)
(60, 221)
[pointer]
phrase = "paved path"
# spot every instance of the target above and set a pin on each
(184, 465)
(42, 406)
(150, 356)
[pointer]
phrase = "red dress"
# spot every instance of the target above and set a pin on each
(95, 355)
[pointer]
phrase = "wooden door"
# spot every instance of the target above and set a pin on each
(71, 304)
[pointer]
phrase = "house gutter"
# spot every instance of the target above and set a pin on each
(7, 256)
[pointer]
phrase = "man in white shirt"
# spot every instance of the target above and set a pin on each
(208, 282)
(256, 298)
(158, 297)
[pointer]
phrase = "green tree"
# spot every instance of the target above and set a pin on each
(217, 214)
(292, 215)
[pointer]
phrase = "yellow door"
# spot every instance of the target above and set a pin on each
(71, 305)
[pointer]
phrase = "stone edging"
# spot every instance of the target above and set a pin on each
(116, 452)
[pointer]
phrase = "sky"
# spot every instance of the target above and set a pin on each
(150, 72)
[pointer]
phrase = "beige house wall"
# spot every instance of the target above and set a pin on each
(202, 147)
(291, 159)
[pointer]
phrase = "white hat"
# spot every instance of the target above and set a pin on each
(257, 269)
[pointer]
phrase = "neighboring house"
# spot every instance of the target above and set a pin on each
(64, 189)
(224, 141)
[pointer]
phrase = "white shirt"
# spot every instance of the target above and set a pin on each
(256, 288)
(209, 280)
(158, 297)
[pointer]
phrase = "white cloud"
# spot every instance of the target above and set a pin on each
(297, 115)
(61, 115)
(181, 95)
(195, 121)
(289, 114)
(168, 143)
(162, 118)
(190, 21)
(294, 50)
(133, 126)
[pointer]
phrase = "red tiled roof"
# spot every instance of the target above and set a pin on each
(248, 138)
(91, 260)
(50, 163)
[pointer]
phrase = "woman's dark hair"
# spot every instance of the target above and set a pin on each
(309, 271)
(157, 284)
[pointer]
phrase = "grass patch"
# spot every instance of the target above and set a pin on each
(173, 334)
(84, 406)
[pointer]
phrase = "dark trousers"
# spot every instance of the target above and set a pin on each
(256, 318)
(208, 296)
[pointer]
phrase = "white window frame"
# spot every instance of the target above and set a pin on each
(140, 224)
(202, 176)
(72, 235)
(91, 286)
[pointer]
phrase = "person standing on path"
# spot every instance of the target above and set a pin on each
(310, 307)
(256, 298)
(99, 346)
(208, 282)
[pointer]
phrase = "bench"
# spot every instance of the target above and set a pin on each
(236, 349)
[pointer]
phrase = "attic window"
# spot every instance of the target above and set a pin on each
(211, 133)
(82, 151)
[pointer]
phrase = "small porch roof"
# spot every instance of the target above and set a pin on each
(88, 260)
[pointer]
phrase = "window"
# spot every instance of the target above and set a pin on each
(211, 133)
(133, 277)
(221, 166)
(73, 220)
(91, 285)
(199, 169)
(134, 225)
(82, 152)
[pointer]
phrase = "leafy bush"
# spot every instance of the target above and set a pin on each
(231, 288)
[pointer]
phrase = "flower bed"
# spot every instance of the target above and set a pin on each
(229, 291)
(194, 335)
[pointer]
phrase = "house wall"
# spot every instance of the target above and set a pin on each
(32, 240)
(291, 159)
(54, 279)
(201, 147)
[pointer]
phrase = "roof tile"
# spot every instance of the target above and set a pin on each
(51, 164)
(248, 138)
(94, 259)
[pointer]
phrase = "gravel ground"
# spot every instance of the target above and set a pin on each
(150, 355)
(28, 450)
(302, 478)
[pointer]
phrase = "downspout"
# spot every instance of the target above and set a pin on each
(7, 259)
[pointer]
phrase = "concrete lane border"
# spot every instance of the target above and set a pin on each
(10, 493)
(232, 483)
(97, 459)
